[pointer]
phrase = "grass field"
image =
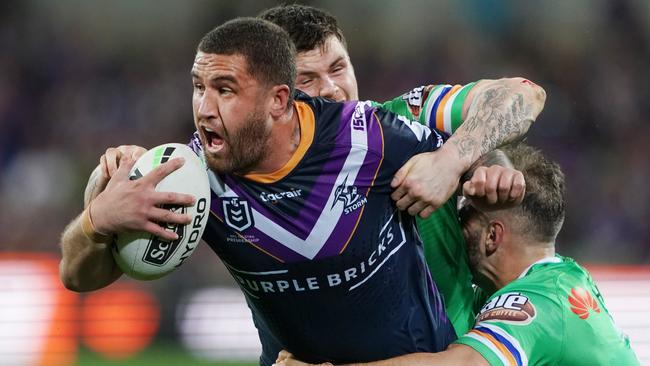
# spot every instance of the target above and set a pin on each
(156, 355)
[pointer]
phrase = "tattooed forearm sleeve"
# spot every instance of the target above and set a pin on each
(500, 113)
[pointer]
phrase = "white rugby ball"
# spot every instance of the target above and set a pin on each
(144, 256)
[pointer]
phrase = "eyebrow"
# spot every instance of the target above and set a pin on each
(216, 79)
(310, 73)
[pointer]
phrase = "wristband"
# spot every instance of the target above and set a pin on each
(89, 229)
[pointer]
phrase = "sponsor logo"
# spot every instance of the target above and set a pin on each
(582, 302)
(194, 237)
(275, 197)
(162, 156)
(359, 118)
(347, 194)
(158, 250)
(237, 213)
(415, 98)
(241, 239)
(391, 238)
(511, 307)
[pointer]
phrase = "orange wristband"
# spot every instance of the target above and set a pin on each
(89, 229)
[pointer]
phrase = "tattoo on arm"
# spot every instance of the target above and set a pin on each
(496, 116)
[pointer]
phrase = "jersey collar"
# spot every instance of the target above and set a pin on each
(552, 259)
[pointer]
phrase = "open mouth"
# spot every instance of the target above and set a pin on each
(213, 141)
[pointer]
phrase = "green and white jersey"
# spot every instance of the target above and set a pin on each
(440, 106)
(553, 314)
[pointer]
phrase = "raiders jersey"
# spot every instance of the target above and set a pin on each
(331, 270)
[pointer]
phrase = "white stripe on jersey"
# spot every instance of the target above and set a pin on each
(326, 222)
(420, 131)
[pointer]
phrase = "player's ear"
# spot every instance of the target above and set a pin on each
(279, 97)
(495, 236)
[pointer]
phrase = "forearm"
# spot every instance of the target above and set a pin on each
(96, 184)
(460, 355)
(501, 111)
(86, 265)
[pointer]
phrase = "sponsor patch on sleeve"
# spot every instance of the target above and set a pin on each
(512, 308)
(415, 99)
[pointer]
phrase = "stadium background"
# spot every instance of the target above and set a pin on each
(79, 76)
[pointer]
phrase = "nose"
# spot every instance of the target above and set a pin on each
(329, 89)
(207, 107)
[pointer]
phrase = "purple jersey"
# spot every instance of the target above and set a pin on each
(331, 270)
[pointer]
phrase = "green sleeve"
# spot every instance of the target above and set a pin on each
(436, 106)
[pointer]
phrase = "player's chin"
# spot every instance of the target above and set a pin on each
(218, 163)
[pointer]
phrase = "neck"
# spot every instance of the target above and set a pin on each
(516, 261)
(282, 142)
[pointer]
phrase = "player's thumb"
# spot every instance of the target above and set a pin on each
(468, 189)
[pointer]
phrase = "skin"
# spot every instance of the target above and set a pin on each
(327, 72)
(246, 118)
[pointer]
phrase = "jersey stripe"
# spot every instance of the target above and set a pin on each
(307, 128)
(456, 118)
(432, 103)
(492, 346)
(443, 112)
(504, 342)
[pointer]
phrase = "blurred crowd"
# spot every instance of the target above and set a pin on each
(77, 77)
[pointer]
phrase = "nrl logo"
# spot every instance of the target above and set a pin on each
(349, 196)
(237, 213)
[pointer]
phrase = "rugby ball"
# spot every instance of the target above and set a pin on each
(142, 255)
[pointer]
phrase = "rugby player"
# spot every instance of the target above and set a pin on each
(338, 258)
(545, 309)
(325, 69)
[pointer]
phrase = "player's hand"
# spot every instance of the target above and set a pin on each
(426, 182)
(495, 188)
(108, 164)
(286, 359)
(110, 161)
(134, 205)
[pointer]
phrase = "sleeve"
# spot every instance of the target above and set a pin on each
(510, 327)
(436, 106)
(403, 138)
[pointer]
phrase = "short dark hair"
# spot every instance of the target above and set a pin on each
(267, 48)
(308, 27)
(544, 205)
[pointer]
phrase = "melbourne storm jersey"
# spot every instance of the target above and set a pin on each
(552, 315)
(330, 269)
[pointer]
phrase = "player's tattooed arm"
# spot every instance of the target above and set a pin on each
(499, 112)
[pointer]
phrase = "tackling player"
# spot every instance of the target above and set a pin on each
(325, 69)
(545, 309)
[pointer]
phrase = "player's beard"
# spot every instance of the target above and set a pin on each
(473, 244)
(246, 147)
(475, 257)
